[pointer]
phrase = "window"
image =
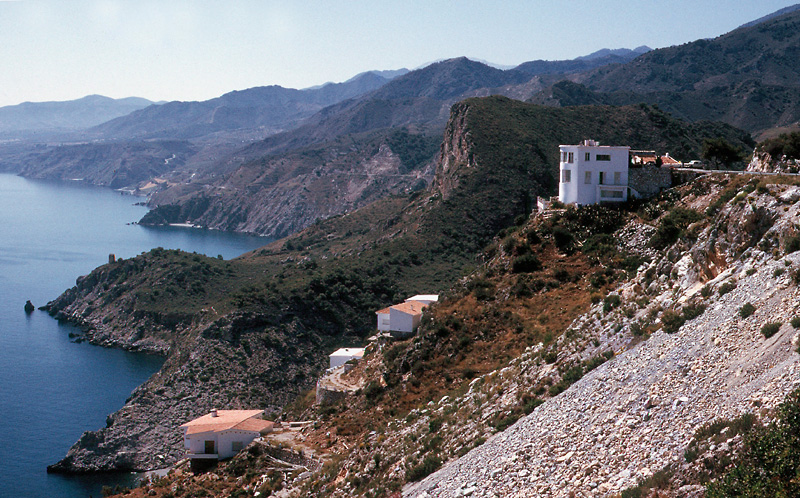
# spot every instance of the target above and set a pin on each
(600, 180)
(603, 157)
(566, 176)
(571, 157)
(587, 157)
(617, 178)
(587, 177)
(563, 157)
(236, 446)
(611, 194)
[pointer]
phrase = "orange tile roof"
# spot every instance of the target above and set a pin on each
(384, 311)
(227, 420)
(411, 307)
(669, 160)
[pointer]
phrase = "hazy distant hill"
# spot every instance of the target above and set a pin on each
(584, 63)
(749, 77)
(775, 14)
(66, 116)
(272, 108)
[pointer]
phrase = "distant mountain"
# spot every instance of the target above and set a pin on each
(785, 10)
(65, 116)
(596, 59)
(625, 53)
(268, 108)
(748, 78)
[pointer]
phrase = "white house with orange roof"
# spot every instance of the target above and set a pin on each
(590, 173)
(221, 434)
(402, 319)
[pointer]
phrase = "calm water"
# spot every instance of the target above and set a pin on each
(52, 390)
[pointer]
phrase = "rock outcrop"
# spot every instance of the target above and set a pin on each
(635, 414)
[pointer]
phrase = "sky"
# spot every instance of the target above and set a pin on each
(200, 49)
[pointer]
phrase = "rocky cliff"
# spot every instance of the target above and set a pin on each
(247, 359)
(284, 194)
(635, 415)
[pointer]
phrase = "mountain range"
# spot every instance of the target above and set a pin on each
(647, 349)
(194, 159)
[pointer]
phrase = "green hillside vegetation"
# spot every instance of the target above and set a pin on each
(340, 270)
(272, 315)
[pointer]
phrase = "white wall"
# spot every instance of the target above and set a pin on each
(383, 322)
(196, 443)
(577, 190)
(403, 322)
(226, 438)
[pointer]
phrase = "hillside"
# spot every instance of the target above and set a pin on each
(625, 357)
(582, 64)
(747, 78)
(37, 118)
(233, 329)
(270, 109)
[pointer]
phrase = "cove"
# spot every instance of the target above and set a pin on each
(52, 390)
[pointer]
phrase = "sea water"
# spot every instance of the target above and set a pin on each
(51, 389)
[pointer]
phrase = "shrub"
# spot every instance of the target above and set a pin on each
(726, 288)
(526, 264)
(770, 329)
(672, 321)
(611, 301)
(795, 322)
(747, 310)
(672, 227)
(429, 465)
(691, 311)
(768, 464)
(563, 239)
(705, 291)
(792, 243)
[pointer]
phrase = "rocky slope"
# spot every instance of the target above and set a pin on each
(636, 414)
(253, 331)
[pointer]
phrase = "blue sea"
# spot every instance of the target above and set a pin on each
(51, 389)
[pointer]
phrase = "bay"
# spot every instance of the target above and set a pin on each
(51, 389)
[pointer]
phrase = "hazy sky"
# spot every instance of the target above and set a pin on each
(195, 50)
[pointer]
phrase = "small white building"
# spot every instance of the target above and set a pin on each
(401, 319)
(343, 355)
(590, 173)
(222, 433)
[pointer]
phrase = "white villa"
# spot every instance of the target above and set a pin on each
(591, 173)
(222, 433)
(343, 355)
(402, 319)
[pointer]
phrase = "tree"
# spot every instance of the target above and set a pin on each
(719, 152)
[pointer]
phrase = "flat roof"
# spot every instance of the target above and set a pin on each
(348, 352)
(424, 297)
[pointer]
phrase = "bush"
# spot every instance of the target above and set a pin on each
(747, 310)
(429, 465)
(770, 329)
(526, 264)
(672, 321)
(611, 301)
(563, 239)
(795, 322)
(672, 227)
(726, 288)
(792, 244)
(769, 463)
